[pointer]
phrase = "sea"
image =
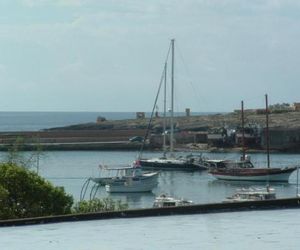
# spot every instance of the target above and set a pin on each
(276, 229)
(35, 121)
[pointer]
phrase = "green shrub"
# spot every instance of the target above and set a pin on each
(99, 205)
(24, 193)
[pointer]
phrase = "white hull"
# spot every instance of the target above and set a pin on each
(133, 185)
(284, 177)
(168, 201)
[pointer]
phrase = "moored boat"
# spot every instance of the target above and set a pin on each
(252, 194)
(133, 184)
(253, 174)
(169, 162)
(249, 172)
(126, 179)
(220, 164)
(108, 175)
(164, 163)
(168, 201)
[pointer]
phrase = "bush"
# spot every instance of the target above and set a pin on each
(24, 193)
(98, 205)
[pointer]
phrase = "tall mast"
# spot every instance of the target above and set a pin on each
(243, 131)
(172, 101)
(267, 131)
(165, 109)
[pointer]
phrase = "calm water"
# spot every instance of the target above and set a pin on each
(268, 230)
(33, 121)
(71, 169)
(278, 229)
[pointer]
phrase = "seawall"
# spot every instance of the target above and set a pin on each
(166, 211)
(72, 140)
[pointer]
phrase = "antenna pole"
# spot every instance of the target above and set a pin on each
(297, 189)
(172, 101)
(243, 131)
(267, 131)
(165, 109)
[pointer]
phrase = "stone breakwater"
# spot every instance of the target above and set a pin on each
(71, 140)
(191, 133)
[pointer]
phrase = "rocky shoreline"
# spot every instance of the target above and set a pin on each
(194, 123)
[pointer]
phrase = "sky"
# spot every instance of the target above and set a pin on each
(108, 55)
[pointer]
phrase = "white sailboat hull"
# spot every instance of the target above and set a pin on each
(133, 185)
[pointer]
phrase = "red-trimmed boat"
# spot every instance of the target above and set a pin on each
(242, 172)
(253, 174)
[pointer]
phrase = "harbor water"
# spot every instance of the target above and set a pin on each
(71, 169)
(277, 229)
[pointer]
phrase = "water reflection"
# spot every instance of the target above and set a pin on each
(133, 199)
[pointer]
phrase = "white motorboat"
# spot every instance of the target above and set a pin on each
(252, 194)
(167, 201)
(108, 174)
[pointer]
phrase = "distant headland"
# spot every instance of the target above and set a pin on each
(201, 132)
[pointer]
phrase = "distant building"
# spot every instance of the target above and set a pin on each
(296, 106)
(251, 111)
(100, 119)
(140, 115)
(187, 111)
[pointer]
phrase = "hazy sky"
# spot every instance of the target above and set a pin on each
(108, 55)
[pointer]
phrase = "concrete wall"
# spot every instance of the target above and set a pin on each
(282, 138)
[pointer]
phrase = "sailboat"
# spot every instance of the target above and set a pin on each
(251, 173)
(171, 162)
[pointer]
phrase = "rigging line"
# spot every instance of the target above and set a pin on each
(151, 118)
(154, 106)
(168, 53)
(195, 92)
(84, 189)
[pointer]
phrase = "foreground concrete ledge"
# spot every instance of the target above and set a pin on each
(182, 210)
